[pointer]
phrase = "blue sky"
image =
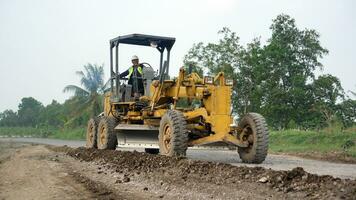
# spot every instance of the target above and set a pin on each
(43, 43)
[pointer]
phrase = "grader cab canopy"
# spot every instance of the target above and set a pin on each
(162, 44)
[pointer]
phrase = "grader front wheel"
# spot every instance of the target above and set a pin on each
(173, 134)
(91, 135)
(106, 138)
(255, 131)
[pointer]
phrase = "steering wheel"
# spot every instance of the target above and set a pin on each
(145, 64)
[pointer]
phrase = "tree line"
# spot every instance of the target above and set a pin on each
(276, 78)
(74, 112)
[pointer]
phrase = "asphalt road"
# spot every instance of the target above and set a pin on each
(276, 162)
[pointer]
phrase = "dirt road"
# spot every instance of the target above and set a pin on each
(276, 162)
(30, 171)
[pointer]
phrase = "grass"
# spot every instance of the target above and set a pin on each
(66, 134)
(25, 131)
(69, 134)
(294, 141)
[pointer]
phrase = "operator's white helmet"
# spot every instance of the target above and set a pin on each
(134, 57)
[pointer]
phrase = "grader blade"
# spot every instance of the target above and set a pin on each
(136, 135)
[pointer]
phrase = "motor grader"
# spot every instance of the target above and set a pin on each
(156, 120)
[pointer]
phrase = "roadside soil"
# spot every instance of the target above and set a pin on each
(47, 172)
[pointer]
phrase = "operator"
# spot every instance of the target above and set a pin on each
(134, 74)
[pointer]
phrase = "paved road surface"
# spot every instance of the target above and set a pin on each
(276, 162)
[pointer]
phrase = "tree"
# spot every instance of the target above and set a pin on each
(29, 111)
(86, 99)
(223, 56)
(347, 112)
(52, 115)
(9, 118)
(216, 57)
(327, 91)
(272, 79)
(292, 55)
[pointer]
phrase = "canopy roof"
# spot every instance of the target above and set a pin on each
(144, 40)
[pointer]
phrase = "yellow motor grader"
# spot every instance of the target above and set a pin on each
(158, 122)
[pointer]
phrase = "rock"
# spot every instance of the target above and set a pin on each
(126, 179)
(305, 177)
(289, 189)
(279, 179)
(145, 188)
(263, 180)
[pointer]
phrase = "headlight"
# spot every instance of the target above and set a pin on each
(208, 80)
(229, 82)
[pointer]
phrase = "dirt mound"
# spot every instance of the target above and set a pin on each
(178, 169)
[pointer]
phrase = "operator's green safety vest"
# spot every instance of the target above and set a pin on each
(139, 69)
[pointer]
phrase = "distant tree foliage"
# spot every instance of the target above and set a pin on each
(29, 111)
(276, 79)
(9, 118)
(86, 102)
(87, 99)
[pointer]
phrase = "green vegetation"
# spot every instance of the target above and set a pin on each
(24, 131)
(73, 113)
(277, 78)
(66, 134)
(69, 134)
(294, 141)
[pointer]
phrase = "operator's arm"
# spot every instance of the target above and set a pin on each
(125, 73)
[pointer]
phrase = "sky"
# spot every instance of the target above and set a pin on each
(44, 42)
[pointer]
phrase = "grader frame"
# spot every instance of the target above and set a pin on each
(176, 128)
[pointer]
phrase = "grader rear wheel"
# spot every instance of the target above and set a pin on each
(91, 134)
(255, 131)
(173, 134)
(106, 138)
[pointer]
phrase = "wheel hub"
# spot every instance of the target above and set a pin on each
(167, 134)
(91, 133)
(247, 134)
(102, 135)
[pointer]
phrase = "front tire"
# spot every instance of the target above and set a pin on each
(91, 135)
(255, 130)
(173, 134)
(106, 133)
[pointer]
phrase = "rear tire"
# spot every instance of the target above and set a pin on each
(255, 127)
(173, 134)
(91, 135)
(106, 138)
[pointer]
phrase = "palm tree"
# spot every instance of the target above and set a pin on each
(89, 95)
